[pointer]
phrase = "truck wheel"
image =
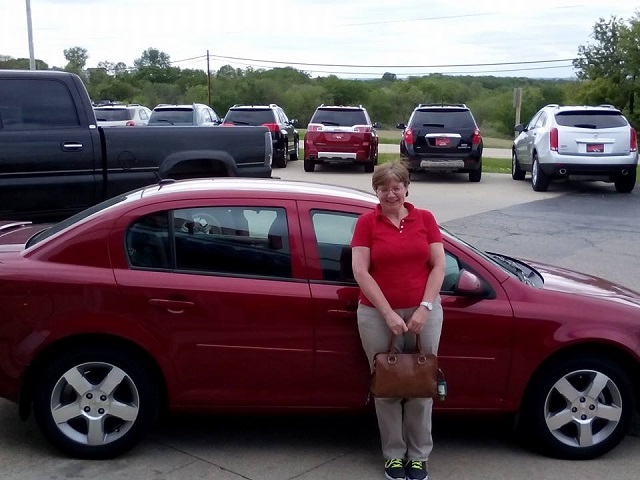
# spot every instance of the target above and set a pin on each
(517, 173)
(294, 154)
(476, 175)
(578, 408)
(539, 180)
(625, 184)
(95, 403)
(309, 165)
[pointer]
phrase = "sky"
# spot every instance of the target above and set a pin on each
(347, 38)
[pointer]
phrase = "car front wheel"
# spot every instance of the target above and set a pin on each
(95, 403)
(578, 408)
(517, 173)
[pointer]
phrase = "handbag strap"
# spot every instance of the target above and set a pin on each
(392, 344)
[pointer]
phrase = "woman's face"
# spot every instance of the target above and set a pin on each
(391, 195)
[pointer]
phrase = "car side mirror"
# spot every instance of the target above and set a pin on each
(469, 284)
(401, 126)
(377, 125)
(519, 128)
(294, 122)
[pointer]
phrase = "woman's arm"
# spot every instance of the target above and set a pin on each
(361, 261)
(437, 265)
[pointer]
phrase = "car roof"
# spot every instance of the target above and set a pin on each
(586, 108)
(338, 107)
(261, 187)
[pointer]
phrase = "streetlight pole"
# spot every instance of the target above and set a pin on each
(32, 60)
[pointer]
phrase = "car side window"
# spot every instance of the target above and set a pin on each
(333, 232)
(541, 120)
(451, 273)
(233, 240)
(32, 104)
(143, 115)
(533, 121)
(147, 242)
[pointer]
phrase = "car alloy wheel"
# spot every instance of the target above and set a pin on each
(517, 173)
(580, 408)
(95, 403)
(539, 180)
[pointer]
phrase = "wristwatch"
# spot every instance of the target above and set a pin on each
(427, 305)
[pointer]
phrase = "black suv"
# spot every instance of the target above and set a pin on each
(442, 138)
(283, 131)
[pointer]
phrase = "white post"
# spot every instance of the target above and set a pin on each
(32, 60)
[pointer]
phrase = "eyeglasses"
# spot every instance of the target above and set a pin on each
(394, 190)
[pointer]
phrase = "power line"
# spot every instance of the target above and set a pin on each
(393, 66)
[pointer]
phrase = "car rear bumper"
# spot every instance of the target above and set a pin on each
(443, 163)
(330, 155)
(595, 170)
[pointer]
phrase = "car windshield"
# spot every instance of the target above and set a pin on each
(113, 115)
(340, 117)
(443, 119)
(79, 217)
(175, 116)
(595, 119)
(252, 116)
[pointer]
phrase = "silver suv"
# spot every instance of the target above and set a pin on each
(122, 115)
(196, 114)
(581, 142)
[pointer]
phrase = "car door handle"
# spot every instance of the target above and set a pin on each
(72, 146)
(350, 314)
(172, 306)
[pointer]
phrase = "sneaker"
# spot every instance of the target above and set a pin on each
(416, 470)
(394, 469)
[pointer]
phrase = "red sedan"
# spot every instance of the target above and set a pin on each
(237, 295)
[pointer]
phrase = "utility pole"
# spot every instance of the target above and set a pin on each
(517, 102)
(208, 81)
(32, 60)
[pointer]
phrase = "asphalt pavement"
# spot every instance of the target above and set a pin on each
(588, 227)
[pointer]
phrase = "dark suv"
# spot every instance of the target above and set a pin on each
(442, 138)
(339, 134)
(283, 132)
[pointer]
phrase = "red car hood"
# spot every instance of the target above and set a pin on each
(14, 234)
(568, 281)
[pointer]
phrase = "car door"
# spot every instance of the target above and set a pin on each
(221, 285)
(45, 141)
(524, 142)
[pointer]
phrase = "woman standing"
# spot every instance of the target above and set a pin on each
(399, 264)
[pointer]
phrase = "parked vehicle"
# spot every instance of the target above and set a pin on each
(341, 134)
(121, 115)
(195, 114)
(237, 296)
(579, 142)
(283, 132)
(442, 137)
(56, 161)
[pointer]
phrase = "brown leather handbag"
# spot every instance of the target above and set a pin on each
(404, 375)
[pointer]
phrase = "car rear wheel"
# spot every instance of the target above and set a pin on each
(294, 155)
(280, 160)
(476, 175)
(626, 183)
(309, 165)
(578, 408)
(517, 173)
(369, 166)
(95, 403)
(539, 180)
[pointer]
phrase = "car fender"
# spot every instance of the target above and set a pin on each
(214, 156)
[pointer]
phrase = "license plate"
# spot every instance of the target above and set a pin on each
(595, 147)
(443, 142)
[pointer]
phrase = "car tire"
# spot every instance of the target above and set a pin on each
(626, 184)
(578, 408)
(369, 166)
(95, 402)
(476, 175)
(539, 180)
(280, 161)
(294, 155)
(517, 173)
(309, 165)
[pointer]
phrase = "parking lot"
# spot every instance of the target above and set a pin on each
(587, 227)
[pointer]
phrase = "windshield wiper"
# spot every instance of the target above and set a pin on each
(513, 267)
(441, 125)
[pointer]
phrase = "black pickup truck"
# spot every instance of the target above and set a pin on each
(56, 161)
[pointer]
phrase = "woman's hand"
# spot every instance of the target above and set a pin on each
(418, 320)
(395, 323)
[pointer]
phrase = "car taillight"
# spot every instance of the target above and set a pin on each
(477, 138)
(130, 123)
(362, 129)
(553, 139)
(314, 127)
(273, 127)
(633, 146)
(408, 136)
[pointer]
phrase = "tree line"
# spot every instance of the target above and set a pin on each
(607, 73)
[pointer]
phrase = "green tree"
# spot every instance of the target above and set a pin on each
(77, 59)
(152, 57)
